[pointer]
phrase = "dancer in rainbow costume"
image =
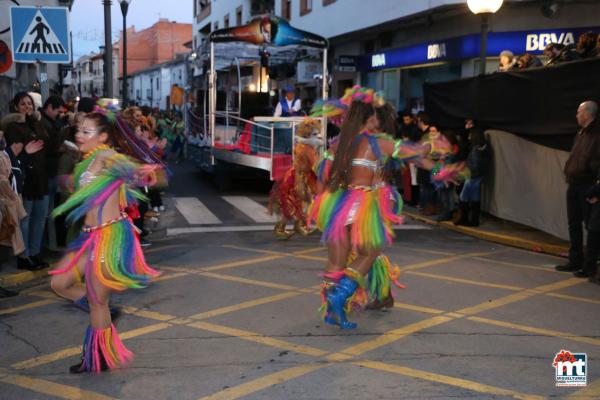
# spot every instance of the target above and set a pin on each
(107, 255)
(357, 207)
(291, 195)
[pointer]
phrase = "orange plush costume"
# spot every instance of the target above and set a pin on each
(291, 195)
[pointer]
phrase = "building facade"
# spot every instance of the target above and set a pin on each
(160, 43)
(21, 76)
(156, 86)
(88, 74)
(396, 46)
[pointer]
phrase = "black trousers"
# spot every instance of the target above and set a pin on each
(577, 214)
(592, 251)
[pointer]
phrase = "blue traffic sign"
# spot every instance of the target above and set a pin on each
(40, 34)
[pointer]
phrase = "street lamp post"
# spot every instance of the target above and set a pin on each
(108, 52)
(485, 8)
(124, 8)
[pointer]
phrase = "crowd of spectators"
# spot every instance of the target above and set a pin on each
(462, 203)
(587, 46)
(459, 203)
(38, 152)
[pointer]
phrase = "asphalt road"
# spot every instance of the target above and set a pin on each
(234, 316)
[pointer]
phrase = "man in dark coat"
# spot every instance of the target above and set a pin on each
(592, 251)
(580, 172)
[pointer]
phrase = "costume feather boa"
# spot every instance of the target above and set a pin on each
(121, 173)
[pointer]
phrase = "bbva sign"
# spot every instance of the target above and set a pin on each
(538, 41)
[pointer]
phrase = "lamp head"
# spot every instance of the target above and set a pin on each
(124, 6)
(484, 6)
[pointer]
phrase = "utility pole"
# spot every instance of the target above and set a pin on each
(108, 50)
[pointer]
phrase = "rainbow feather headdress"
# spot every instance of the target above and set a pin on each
(336, 109)
(130, 144)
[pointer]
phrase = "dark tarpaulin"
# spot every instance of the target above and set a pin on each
(537, 104)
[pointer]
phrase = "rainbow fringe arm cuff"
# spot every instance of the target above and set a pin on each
(443, 173)
(102, 349)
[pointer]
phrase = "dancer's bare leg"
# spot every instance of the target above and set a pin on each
(364, 261)
(68, 285)
(338, 254)
(99, 310)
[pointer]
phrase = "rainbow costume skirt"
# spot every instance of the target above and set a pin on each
(365, 213)
(113, 256)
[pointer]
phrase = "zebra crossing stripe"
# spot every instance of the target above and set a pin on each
(250, 208)
(195, 212)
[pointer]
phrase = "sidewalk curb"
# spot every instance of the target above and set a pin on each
(513, 241)
(20, 278)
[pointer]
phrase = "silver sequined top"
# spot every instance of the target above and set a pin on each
(86, 178)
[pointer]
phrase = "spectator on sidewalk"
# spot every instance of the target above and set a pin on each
(592, 250)
(11, 205)
(507, 61)
(528, 61)
(408, 128)
(447, 193)
(26, 129)
(69, 157)
(580, 173)
(426, 189)
(479, 162)
(86, 105)
(407, 180)
(558, 53)
(586, 45)
(52, 125)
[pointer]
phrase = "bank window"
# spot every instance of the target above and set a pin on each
(238, 16)
(216, 26)
(157, 81)
(305, 6)
(328, 2)
(286, 9)
(226, 21)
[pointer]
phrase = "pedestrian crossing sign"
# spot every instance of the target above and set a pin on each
(40, 34)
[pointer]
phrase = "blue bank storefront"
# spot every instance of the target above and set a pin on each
(401, 72)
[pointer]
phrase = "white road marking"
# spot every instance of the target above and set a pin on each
(251, 208)
(195, 212)
(259, 228)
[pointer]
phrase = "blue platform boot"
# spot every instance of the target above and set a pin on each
(336, 303)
